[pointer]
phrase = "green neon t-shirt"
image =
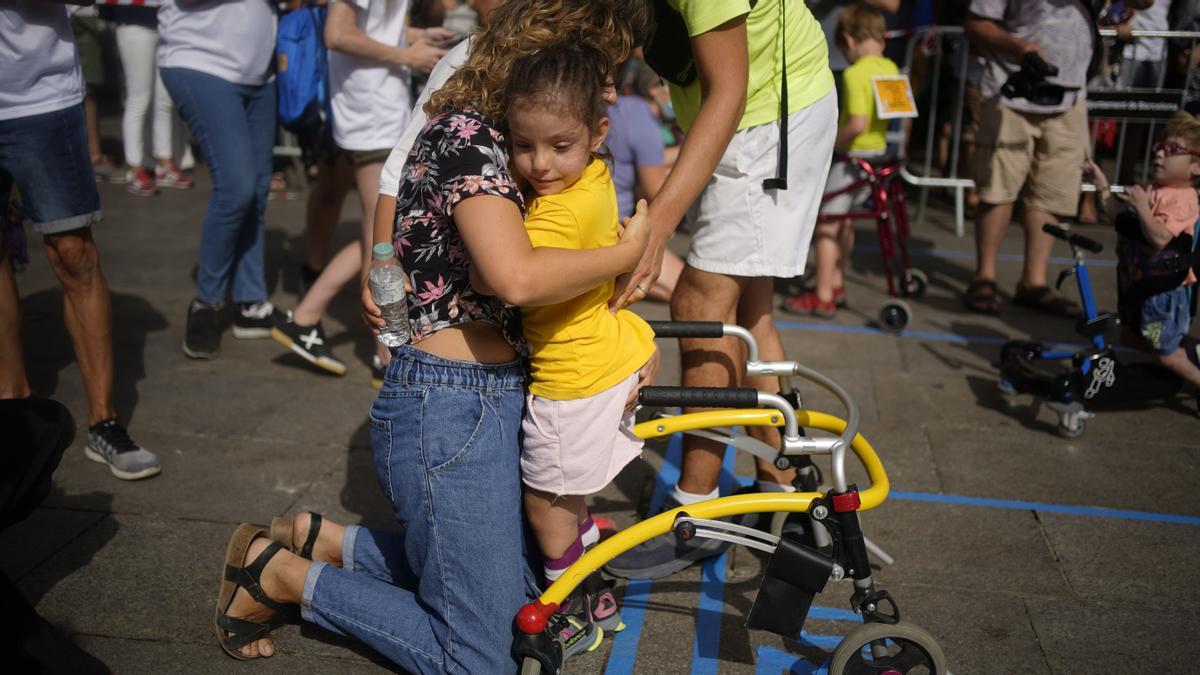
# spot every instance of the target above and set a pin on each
(809, 77)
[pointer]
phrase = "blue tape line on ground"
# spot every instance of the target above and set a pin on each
(772, 661)
(637, 592)
(832, 614)
(932, 336)
(970, 255)
(706, 647)
(1065, 509)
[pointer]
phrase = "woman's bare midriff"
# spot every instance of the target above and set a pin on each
(477, 341)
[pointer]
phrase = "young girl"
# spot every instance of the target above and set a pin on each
(586, 362)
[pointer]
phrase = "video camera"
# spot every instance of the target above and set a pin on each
(1030, 82)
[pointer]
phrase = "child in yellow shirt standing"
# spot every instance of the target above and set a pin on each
(861, 133)
(586, 362)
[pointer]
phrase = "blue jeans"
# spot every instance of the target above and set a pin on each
(47, 156)
(440, 594)
(1166, 318)
(235, 127)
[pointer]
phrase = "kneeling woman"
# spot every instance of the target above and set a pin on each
(440, 593)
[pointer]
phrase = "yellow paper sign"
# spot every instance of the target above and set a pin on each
(893, 97)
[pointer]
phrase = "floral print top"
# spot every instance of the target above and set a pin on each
(458, 155)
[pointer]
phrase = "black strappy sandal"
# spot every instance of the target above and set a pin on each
(232, 632)
(281, 531)
(982, 297)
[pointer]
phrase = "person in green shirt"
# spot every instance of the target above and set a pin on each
(744, 233)
(861, 133)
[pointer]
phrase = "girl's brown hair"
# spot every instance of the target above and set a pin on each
(566, 78)
(519, 28)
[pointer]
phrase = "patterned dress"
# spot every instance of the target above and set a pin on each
(458, 155)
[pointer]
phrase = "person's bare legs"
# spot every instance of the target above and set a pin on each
(323, 210)
(282, 580)
(92, 120)
(367, 179)
(755, 312)
(555, 520)
(1038, 246)
(664, 286)
(13, 383)
(88, 315)
(845, 246)
(341, 269)
(1178, 362)
(828, 252)
(991, 222)
(704, 296)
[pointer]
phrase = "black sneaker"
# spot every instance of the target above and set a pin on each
(202, 337)
(307, 277)
(307, 341)
(254, 320)
(664, 555)
(109, 443)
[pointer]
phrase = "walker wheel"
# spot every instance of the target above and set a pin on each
(902, 649)
(1071, 428)
(915, 285)
(894, 316)
(531, 666)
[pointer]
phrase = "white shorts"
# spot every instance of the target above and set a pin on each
(578, 447)
(740, 229)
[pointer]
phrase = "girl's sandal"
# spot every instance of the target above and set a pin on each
(234, 632)
(281, 531)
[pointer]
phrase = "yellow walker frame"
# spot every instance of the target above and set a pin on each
(796, 572)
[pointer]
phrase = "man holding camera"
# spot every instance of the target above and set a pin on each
(1029, 150)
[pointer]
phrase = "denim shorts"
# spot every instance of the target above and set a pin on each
(46, 156)
(1165, 319)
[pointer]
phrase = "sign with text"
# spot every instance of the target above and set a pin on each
(1138, 105)
(893, 97)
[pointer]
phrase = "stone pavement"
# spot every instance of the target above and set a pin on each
(130, 569)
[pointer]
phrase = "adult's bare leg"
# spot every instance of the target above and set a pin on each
(13, 383)
(88, 314)
(1038, 246)
(323, 210)
(705, 296)
(756, 313)
(991, 222)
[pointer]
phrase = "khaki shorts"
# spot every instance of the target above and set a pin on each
(1032, 157)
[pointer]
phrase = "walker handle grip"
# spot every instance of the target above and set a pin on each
(1079, 240)
(699, 397)
(687, 329)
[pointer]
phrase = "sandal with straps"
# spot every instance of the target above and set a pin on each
(982, 297)
(234, 632)
(281, 531)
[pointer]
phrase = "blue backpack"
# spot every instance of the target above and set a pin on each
(301, 74)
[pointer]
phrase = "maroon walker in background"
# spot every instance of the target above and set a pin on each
(889, 208)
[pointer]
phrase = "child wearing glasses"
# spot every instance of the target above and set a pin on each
(1158, 222)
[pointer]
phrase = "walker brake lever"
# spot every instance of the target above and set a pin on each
(1063, 276)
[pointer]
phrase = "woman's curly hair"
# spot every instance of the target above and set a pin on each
(518, 28)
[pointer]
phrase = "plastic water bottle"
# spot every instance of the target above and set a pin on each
(387, 288)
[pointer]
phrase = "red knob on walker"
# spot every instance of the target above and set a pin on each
(531, 619)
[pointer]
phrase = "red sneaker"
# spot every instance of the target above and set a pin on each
(839, 297)
(824, 309)
(171, 176)
(139, 182)
(801, 303)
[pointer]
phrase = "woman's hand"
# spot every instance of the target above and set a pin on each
(645, 378)
(371, 314)
(636, 285)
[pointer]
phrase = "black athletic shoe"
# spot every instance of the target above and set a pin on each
(254, 320)
(307, 341)
(202, 337)
(109, 443)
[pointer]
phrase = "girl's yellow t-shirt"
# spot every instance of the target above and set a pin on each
(578, 348)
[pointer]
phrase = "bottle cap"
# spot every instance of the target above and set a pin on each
(382, 252)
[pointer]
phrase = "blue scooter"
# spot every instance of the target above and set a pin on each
(1095, 376)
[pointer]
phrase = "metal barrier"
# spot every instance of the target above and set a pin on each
(942, 42)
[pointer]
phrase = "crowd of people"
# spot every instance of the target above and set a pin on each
(528, 177)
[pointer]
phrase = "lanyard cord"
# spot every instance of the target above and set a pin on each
(779, 182)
